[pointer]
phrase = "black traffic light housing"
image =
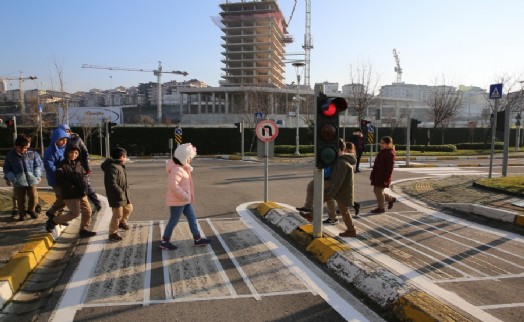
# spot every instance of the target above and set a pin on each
(364, 125)
(110, 127)
(327, 129)
(413, 130)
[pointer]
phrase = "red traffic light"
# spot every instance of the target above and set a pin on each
(333, 106)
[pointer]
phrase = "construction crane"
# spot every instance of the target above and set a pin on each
(308, 44)
(398, 70)
(21, 88)
(157, 72)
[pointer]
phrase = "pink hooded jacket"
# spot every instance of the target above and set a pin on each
(180, 190)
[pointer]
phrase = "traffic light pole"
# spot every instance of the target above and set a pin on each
(408, 142)
(506, 141)
(318, 192)
(106, 124)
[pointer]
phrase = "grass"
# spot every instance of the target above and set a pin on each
(512, 184)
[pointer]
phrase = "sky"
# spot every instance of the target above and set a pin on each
(469, 42)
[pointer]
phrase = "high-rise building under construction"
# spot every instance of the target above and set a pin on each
(255, 33)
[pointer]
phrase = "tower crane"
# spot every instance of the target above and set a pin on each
(21, 88)
(398, 70)
(157, 72)
(308, 44)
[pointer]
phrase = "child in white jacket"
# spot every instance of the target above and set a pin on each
(180, 195)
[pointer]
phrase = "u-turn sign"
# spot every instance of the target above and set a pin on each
(266, 130)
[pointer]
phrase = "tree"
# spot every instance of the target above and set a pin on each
(255, 100)
(363, 85)
(444, 103)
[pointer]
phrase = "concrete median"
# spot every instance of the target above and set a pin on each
(379, 285)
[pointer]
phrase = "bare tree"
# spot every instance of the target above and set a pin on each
(444, 104)
(59, 66)
(511, 92)
(363, 85)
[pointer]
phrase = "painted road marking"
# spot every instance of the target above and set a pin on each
(439, 171)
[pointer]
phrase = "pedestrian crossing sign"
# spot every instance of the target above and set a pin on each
(495, 91)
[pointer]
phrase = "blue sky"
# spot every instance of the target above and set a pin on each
(471, 42)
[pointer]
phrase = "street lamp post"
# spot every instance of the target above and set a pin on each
(298, 67)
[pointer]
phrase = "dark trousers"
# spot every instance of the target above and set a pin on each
(359, 155)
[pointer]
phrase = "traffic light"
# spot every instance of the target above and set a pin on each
(501, 121)
(327, 129)
(413, 130)
(110, 127)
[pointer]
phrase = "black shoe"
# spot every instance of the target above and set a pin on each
(14, 213)
(330, 221)
(115, 237)
(84, 233)
(21, 218)
(50, 225)
(32, 214)
(356, 206)
(49, 215)
(38, 209)
(123, 226)
(303, 209)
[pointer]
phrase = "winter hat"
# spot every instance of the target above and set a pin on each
(71, 146)
(185, 152)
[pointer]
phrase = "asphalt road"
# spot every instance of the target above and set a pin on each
(450, 264)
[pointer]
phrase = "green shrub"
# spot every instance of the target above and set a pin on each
(479, 146)
(428, 148)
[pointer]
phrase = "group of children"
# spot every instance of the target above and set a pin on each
(66, 162)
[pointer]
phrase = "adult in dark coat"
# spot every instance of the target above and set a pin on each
(382, 173)
(360, 144)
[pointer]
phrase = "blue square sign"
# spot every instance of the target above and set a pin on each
(495, 91)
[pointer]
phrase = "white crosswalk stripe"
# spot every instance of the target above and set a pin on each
(440, 171)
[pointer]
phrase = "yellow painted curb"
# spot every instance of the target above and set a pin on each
(519, 220)
(303, 235)
(419, 306)
(46, 237)
(265, 207)
(324, 248)
(47, 196)
(17, 269)
(37, 247)
(235, 157)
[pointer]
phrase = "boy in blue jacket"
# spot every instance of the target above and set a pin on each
(52, 157)
(23, 170)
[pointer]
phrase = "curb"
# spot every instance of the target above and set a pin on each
(488, 212)
(392, 293)
(14, 273)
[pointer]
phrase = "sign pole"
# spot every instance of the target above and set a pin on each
(266, 131)
(495, 92)
(266, 172)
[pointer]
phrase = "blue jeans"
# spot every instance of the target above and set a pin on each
(174, 217)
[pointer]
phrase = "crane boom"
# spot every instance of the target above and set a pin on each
(20, 80)
(134, 69)
(398, 70)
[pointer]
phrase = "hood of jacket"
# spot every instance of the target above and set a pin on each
(58, 134)
(349, 158)
(106, 165)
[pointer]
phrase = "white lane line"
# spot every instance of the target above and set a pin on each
(510, 236)
(500, 306)
(344, 308)
(221, 270)
(465, 251)
(476, 279)
(167, 280)
(411, 241)
(414, 277)
(479, 244)
(75, 291)
(277, 251)
(236, 263)
(147, 275)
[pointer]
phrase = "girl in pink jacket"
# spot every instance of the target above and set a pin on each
(180, 195)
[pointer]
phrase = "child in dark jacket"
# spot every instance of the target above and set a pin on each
(117, 191)
(71, 176)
